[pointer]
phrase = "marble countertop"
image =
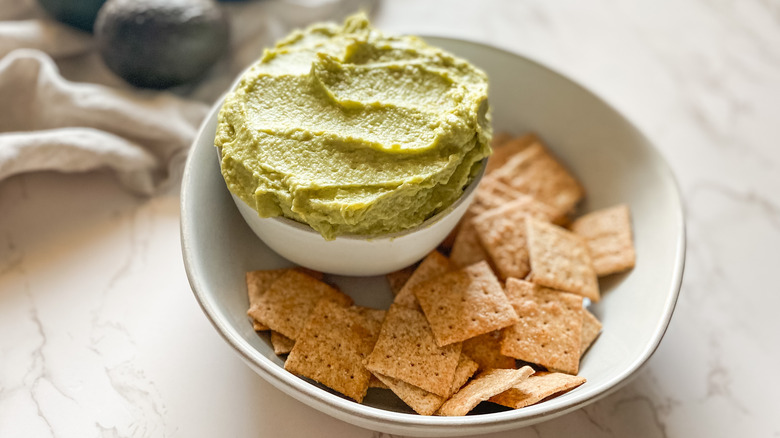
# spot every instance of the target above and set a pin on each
(100, 335)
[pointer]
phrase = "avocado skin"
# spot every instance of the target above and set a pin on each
(161, 43)
(77, 13)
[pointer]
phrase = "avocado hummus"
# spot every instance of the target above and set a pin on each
(352, 131)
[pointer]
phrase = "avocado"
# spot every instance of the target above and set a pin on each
(161, 43)
(77, 13)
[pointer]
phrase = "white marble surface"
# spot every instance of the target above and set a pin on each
(100, 335)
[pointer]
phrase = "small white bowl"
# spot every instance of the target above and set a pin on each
(352, 254)
(614, 161)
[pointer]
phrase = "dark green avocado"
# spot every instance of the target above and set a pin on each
(77, 13)
(161, 43)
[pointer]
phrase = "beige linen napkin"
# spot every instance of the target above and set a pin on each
(50, 123)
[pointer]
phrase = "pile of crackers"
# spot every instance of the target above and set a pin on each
(501, 319)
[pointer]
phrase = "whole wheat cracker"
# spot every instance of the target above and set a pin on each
(467, 248)
(550, 329)
(258, 281)
(281, 343)
(502, 232)
(422, 401)
(560, 260)
(491, 193)
(607, 233)
(505, 148)
(397, 279)
(536, 172)
(464, 303)
(374, 382)
(332, 346)
(286, 304)
(484, 386)
(433, 265)
(406, 350)
(536, 388)
(256, 284)
(591, 327)
(485, 350)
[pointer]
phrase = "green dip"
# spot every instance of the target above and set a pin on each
(352, 131)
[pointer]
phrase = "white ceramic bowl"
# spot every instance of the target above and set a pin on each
(351, 254)
(615, 163)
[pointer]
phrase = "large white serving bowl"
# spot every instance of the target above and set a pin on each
(614, 161)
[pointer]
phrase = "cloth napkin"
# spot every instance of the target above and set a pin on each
(63, 110)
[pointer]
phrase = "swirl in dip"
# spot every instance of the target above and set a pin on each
(352, 131)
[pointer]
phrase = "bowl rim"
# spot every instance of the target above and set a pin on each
(369, 416)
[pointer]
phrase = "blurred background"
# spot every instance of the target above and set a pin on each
(99, 334)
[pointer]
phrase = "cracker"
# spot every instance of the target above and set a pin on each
(398, 279)
(485, 350)
(483, 387)
(537, 388)
(433, 265)
(281, 343)
(560, 260)
(550, 329)
(258, 281)
(502, 232)
(406, 350)
(332, 346)
(491, 193)
(374, 382)
(591, 327)
(256, 284)
(505, 148)
(465, 303)
(424, 402)
(607, 233)
(535, 172)
(285, 306)
(467, 248)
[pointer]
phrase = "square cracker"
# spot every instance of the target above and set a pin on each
(560, 260)
(407, 351)
(424, 402)
(537, 388)
(285, 306)
(467, 248)
(505, 148)
(502, 232)
(332, 346)
(465, 303)
(536, 172)
(485, 350)
(550, 329)
(491, 193)
(398, 279)
(591, 327)
(483, 387)
(607, 233)
(281, 343)
(258, 281)
(374, 382)
(433, 265)
(256, 284)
